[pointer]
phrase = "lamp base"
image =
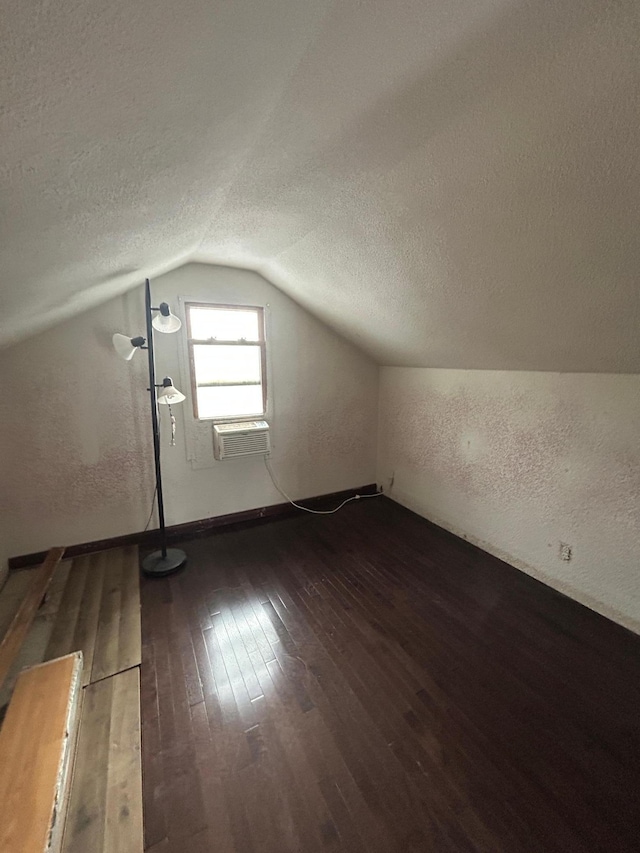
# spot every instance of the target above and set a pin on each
(155, 565)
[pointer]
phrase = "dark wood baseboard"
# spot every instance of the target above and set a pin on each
(193, 529)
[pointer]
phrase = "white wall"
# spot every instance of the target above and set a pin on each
(518, 462)
(76, 456)
(322, 405)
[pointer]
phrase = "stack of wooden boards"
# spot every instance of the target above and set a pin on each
(88, 629)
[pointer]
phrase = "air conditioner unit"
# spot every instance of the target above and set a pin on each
(247, 438)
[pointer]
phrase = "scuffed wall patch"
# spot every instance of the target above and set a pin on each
(485, 443)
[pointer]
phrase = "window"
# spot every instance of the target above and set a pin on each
(227, 359)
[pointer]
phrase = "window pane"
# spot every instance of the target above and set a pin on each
(230, 401)
(224, 324)
(226, 364)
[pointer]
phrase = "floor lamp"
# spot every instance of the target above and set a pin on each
(166, 560)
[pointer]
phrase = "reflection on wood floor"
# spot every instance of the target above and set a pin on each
(367, 682)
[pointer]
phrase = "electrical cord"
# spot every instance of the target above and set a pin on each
(306, 509)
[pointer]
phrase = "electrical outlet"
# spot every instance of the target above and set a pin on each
(565, 552)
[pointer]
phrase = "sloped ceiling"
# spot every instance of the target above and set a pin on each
(450, 183)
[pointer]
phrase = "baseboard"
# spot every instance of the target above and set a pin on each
(193, 529)
(409, 503)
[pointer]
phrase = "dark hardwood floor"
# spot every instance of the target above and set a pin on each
(367, 682)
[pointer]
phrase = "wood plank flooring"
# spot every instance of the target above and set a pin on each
(93, 606)
(105, 807)
(368, 682)
(21, 623)
(35, 643)
(11, 596)
(100, 613)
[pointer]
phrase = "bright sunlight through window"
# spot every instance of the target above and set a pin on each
(227, 358)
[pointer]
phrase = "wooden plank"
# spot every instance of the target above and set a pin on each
(32, 650)
(105, 808)
(84, 825)
(100, 614)
(106, 653)
(24, 617)
(130, 635)
(86, 629)
(55, 593)
(61, 639)
(123, 832)
(118, 644)
(11, 595)
(36, 742)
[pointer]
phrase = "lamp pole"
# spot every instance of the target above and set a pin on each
(166, 560)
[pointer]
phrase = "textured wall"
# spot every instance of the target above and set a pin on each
(322, 404)
(75, 459)
(76, 456)
(520, 462)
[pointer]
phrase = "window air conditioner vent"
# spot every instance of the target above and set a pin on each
(247, 438)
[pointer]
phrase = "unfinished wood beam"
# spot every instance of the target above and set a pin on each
(21, 623)
(37, 740)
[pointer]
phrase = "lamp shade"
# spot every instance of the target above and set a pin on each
(169, 394)
(165, 321)
(124, 346)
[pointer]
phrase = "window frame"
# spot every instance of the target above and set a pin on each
(261, 342)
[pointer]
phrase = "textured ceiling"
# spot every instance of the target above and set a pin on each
(452, 183)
